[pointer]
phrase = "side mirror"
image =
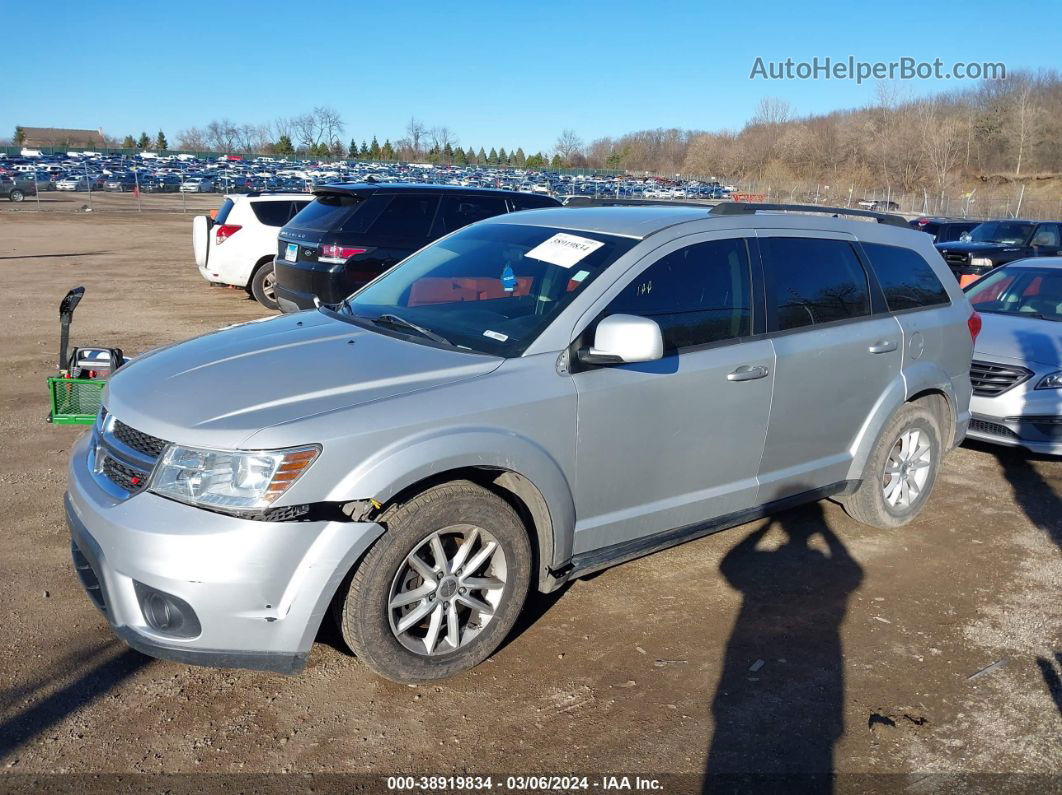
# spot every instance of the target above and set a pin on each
(624, 339)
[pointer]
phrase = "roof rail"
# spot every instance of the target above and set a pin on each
(749, 208)
(603, 201)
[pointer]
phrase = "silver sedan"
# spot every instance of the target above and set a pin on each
(1017, 367)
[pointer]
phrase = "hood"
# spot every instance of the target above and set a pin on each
(218, 389)
(959, 247)
(1024, 339)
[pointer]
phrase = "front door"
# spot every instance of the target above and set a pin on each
(675, 442)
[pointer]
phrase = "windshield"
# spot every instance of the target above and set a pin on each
(491, 288)
(1011, 233)
(1030, 292)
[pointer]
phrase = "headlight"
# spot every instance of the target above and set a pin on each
(981, 261)
(227, 480)
(1051, 381)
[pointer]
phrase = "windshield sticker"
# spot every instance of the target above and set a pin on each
(580, 276)
(496, 335)
(564, 250)
(508, 278)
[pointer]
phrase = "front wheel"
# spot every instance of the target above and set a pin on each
(264, 286)
(901, 470)
(443, 586)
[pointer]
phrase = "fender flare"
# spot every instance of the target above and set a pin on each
(410, 461)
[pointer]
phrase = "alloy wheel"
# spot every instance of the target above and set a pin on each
(447, 590)
(907, 469)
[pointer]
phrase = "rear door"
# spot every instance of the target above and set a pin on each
(837, 354)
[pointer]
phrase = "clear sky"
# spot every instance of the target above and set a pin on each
(502, 73)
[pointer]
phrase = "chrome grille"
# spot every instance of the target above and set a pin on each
(127, 478)
(138, 440)
(990, 379)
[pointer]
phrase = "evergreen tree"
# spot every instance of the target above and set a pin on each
(481, 158)
(459, 157)
(492, 158)
(374, 150)
(160, 142)
(363, 153)
(20, 135)
(144, 142)
(503, 159)
(128, 142)
(352, 152)
(558, 162)
(448, 153)
(283, 146)
(470, 156)
(520, 158)
(337, 149)
(387, 152)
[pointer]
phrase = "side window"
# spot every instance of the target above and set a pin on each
(905, 277)
(528, 202)
(1046, 235)
(408, 217)
(272, 213)
(815, 281)
(458, 211)
(698, 294)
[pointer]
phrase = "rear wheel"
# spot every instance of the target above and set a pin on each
(440, 590)
(264, 286)
(16, 195)
(901, 470)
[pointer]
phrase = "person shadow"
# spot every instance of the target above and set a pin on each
(779, 705)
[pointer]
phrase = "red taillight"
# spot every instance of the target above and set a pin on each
(333, 252)
(974, 324)
(225, 231)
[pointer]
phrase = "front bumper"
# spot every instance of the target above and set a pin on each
(1038, 434)
(259, 589)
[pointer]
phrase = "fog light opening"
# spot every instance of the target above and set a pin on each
(165, 613)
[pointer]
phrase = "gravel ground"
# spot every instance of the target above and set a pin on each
(804, 643)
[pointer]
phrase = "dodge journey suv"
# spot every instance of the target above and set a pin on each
(527, 400)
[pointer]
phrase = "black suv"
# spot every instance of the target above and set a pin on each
(994, 243)
(944, 230)
(349, 234)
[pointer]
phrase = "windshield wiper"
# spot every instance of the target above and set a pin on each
(388, 319)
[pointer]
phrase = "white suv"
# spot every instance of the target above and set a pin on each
(237, 246)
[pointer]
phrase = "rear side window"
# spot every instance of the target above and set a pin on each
(697, 295)
(814, 281)
(326, 212)
(272, 213)
(905, 277)
(458, 211)
(529, 202)
(408, 217)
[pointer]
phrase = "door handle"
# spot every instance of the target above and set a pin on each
(747, 372)
(882, 346)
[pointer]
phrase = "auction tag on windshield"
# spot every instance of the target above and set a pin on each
(564, 250)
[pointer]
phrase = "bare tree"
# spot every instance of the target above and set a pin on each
(568, 143)
(329, 125)
(1023, 117)
(943, 143)
(772, 110)
(415, 131)
(441, 137)
(193, 138)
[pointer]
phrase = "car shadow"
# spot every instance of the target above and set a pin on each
(1052, 674)
(89, 685)
(779, 704)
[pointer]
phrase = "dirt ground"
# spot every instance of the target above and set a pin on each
(806, 643)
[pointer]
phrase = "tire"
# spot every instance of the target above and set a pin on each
(263, 286)
(460, 514)
(16, 195)
(884, 500)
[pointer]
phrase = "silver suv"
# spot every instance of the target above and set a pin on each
(528, 400)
